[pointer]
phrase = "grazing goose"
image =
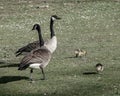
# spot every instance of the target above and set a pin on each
(37, 59)
(99, 67)
(29, 47)
(40, 57)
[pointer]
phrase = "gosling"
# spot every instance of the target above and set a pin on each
(80, 53)
(99, 67)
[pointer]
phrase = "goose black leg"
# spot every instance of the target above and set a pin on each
(31, 71)
(42, 73)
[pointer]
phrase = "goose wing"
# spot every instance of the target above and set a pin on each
(40, 55)
(27, 48)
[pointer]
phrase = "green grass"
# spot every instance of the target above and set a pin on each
(92, 25)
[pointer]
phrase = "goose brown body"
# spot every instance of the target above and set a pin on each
(40, 56)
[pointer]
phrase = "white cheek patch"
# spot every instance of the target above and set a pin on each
(53, 18)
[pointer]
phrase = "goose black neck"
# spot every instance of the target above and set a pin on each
(51, 28)
(41, 41)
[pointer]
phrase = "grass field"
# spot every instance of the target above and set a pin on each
(92, 25)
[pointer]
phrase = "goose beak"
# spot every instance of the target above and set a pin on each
(32, 29)
(58, 18)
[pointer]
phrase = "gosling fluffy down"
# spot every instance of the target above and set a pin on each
(99, 67)
(80, 53)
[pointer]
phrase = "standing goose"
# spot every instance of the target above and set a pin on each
(29, 47)
(40, 57)
(51, 45)
(36, 59)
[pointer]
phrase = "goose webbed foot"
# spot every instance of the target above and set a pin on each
(31, 79)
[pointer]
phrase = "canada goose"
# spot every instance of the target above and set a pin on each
(37, 59)
(51, 45)
(99, 67)
(29, 47)
(80, 53)
(40, 57)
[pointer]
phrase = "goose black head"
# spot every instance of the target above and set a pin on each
(55, 17)
(36, 27)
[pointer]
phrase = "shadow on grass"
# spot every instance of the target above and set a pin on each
(2, 62)
(6, 79)
(71, 57)
(9, 65)
(89, 73)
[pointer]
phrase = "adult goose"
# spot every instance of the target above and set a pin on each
(37, 59)
(40, 57)
(29, 47)
(51, 44)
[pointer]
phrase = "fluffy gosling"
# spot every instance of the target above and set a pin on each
(99, 67)
(80, 53)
